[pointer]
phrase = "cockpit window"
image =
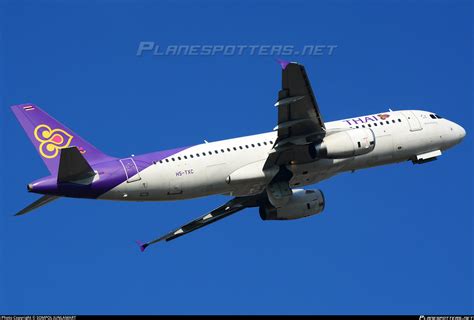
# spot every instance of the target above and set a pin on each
(432, 116)
(439, 117)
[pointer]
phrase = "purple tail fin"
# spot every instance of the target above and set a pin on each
(49, 136)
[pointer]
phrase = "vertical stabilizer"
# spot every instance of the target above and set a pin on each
(50, 136)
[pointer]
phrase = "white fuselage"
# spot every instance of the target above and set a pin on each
(234, 166)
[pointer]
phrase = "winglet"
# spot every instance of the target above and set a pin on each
(142, 245)
(283, 63)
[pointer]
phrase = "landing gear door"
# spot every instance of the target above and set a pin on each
(413, 121)
(131, 170)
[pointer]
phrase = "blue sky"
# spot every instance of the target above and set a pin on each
(394, 239)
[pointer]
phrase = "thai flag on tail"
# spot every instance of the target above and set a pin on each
(28, 108)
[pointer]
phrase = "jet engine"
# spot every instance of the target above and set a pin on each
(302, 203)
(346, 144)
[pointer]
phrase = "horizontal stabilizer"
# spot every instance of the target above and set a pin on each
(38, 203)
(73, 166)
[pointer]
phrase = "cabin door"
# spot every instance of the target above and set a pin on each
(131, 170)
(413, 121)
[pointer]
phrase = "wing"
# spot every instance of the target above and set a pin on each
(229, 208)
(299, 120)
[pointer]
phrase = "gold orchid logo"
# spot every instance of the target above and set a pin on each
(51, 140)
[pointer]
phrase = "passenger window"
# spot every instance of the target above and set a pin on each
(357, 127)
(172, 159)
(240, 147)
(216, 152)
(167, 160)
(271, 141)
(185, 157)
(228, 149)
(222, 150)
(363, 126)
(381, 123)
(388, 122)
(259, 144)
(369, 125)
(253, 146)
(399, 120)
(393, 121)
(375, 124)
(265, 143)
(235, 149)
(197, 155)
(210, 153)
(179, 158)
(204, 154)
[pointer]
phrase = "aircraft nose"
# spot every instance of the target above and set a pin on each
(462, 132)
(458, 132)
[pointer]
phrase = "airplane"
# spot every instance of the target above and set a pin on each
(266, 170)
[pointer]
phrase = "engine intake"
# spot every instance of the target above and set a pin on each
(346, 144)
(302, 203)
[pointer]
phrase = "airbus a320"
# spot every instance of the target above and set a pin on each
(266, 170)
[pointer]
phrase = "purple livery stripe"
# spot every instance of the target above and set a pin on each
(49, 136)
(111, 174)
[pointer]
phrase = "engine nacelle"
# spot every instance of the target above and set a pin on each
(302, 203)
(346, 144)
